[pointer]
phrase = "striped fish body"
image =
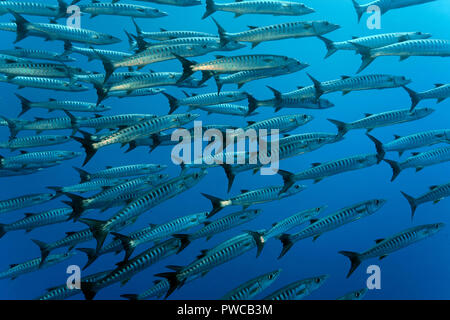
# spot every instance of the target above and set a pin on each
(298, 290)
(327, 169)
(33, 265)
(296, 102)
(441, 92)
(369, 82)
(122, 172)
(76, 106)
(43, 124)
(283, 123)
(179, 3)
(418, 140)
(390, 118)
(308, 92)
(435, 194)
(33, 221)
(94, 54)
(329, 137)
(30, 158)
(424, 47)
(383, 40)
(213, 42)
(98, 79)
(91, 186)
(34, 142)
(63, 292)
(170, 35)
(338, 219)
(164, 53)
(71, 240)
(242, 63)
(126, 270)
(262, 195)
(33, 69)
(8, 58)
(45, 83)
(116, 121)
(227, 109)
(276, 8)
(356, 295)
(425, 159)
(29, 8)
(230, 221)
(401, 240)
(213, 98)
(297, 29)
(24, 201)
(37, 54)
(121, 9)
(145, 129)
(251, 288)
(291, 222)
(136, 93)
(146, 80)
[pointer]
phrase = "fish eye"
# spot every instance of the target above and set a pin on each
(270, 277)
(357, 294)
(317, 280)
(317, 209)
(377, 201)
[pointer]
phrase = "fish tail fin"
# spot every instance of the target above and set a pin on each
(174, 103)
(67, 47)
(44, 250)
(230, 175)
(317, 86)
(131, 297)
(205, 77)
(22, 26)
(219, 83)
(12, 126)
(396, 169)
(224, 38)
(25, 104)
(87, 144)
(216, 203)
(91, 255)
(172, 278)
(341, 126)
(259, 240)
(131, 42)
(84, 175)
(379, 146)
(331, 48)
(366, 56)
(185, 241)
(252, 104)
(415, 98)
(2, 230)
(278, 98)
(98, 230)
(287, 243)
(76, 203)
(187, 67)
(210, 8)
(88, 289)
(127, 244)
(102, 92)
(108, 65)
(355, 260)
(58, 190)
(288, 180)
(359, 10)
(412, 203)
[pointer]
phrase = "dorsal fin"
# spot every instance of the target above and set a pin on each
(378, 240)
(23, 152)
(437, 85)
(354, 37)
(28, 214)
(174, 268)
(13, 265)
(313, 221)
(396, 137)
(433, 187)
(368, 115)
(315, 164)
(109, 167)
(252, 27)
(415, 153)
(69, 233)
(251, 122)
(344, 77)
(244, 191)
(219, 56)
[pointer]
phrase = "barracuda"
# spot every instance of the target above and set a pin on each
(133, 210)
(217, 256)
(331, 222)
(120, 9)
(136, 93)
(121, 172)
(44, 83)
(53, 105)
(213, 42)
(242, 77)
(205, 99)
(212, 228)
(7, 58)
(293, 221)
(348, 84)
(414, 141)
(297, 29)
(435, 195)
(93, 54)
(385, 5)
(99, 184)
(441, 92)
(299, 289)
(102, 199)
(355, 295)
(248, 198)
(226, 109)
(34, 69)
(164, 35)
(63, 292)
(179, 3)
(36, 220)
(281, 101)
(420, 160)
(140, 130)
(384, 119)
(251, 288)
(113, 122)
(37, 54)
(34, 142)
(153, 233)
(98, 79)
(49, 31)
(126, 270)
(424, 47)
(233, 64)
(372, 42)
(24, 202)
(275, 8)
(16, 270)
(384, 247)
(282, 123)
(36, 8)
(27, 159)
(320, 171)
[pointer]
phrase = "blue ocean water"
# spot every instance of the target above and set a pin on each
(417, 272)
